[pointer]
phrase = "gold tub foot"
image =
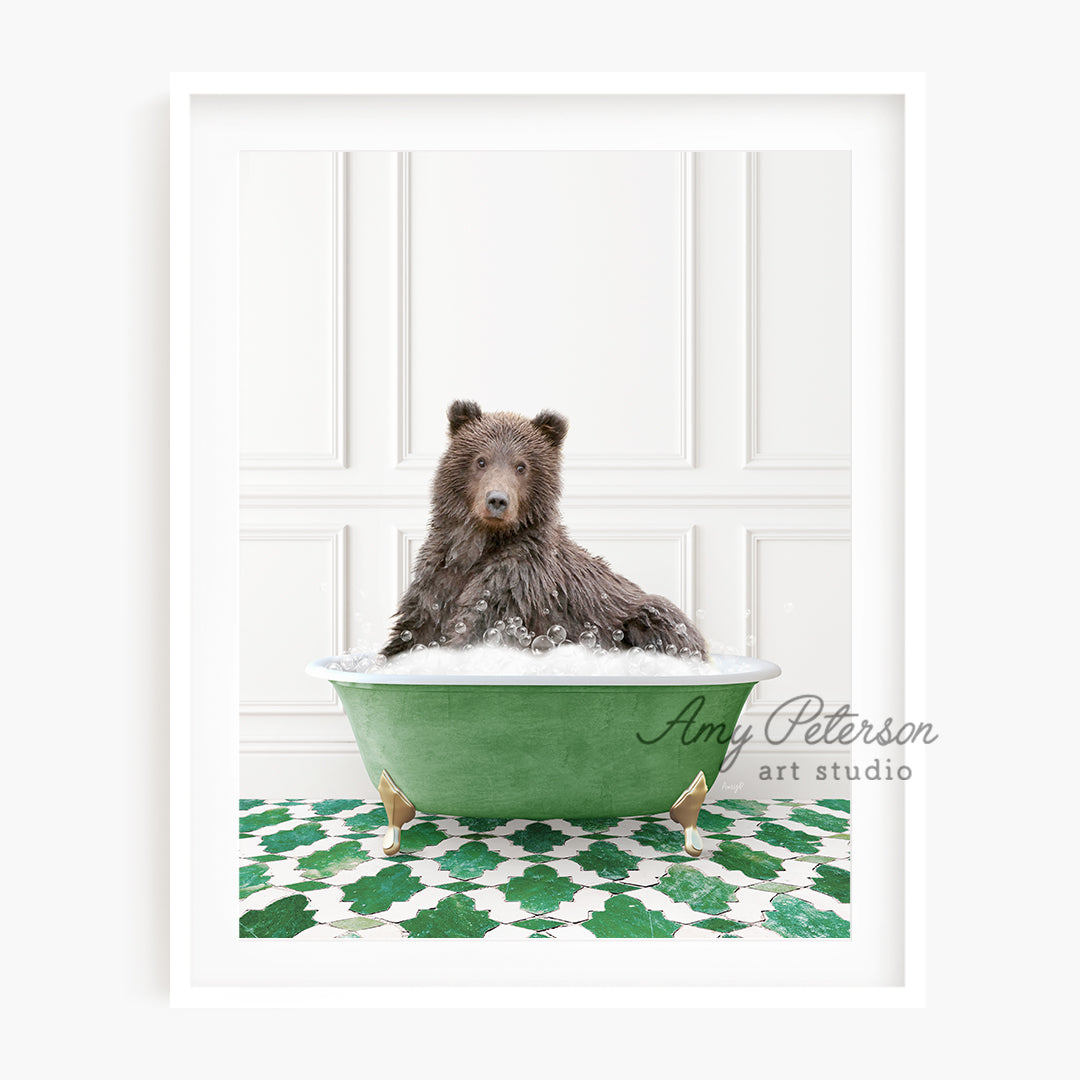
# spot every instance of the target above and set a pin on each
(399, 811)
(685, 812)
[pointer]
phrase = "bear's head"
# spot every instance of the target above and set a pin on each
(501, 470)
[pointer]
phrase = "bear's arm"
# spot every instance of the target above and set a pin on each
(411, 620)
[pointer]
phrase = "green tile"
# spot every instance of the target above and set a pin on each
(260, 858)
(335, 806)
(780, 836)
(628, 917)
(605, 859)
(307, 886)
(283, 918)
(836, 804)
(357, 923)
(369, 822)
(264, 818)
(470, 860)
(323, 864)
(417, 837)
(253, 878)
(368, 895)
(538, 924)
(756, 864)
(452, 917)
(742, 807)
(833, 881)
(247, 804)
(540, 889)
(460, 886)
(722, 926)
(703, 893)
(308, 833)
(615, 887)
(794, 918)
(708, 822)
(538, 837)
(825, 822)
(660, 837)
(537, 858)
(773, 887)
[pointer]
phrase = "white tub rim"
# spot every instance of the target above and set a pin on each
(752, 670)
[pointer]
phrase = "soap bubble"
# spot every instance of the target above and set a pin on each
(334, 666)
(418, 648)
(433, 645)
(460, 628)
(542, 644)
(557, 634)
(680, 628)
(487, 593)
(406, 635)
(492, 636)
(603, 596)
(616, 635)
(435, 606)
(500, 625)
(588, 639)
(671, 651)
(481, 605)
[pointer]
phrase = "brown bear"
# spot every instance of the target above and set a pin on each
(497, 560)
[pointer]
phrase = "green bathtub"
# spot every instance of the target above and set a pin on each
(531, 747)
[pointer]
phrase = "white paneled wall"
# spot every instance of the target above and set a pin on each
(689, 313)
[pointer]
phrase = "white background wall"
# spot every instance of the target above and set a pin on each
(85, 415)
(690, 312)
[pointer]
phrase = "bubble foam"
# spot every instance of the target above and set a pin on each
(551, 662)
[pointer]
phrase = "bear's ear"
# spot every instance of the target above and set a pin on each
(461, 413)
(552, 426)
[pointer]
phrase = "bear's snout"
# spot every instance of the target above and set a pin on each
(497, 502)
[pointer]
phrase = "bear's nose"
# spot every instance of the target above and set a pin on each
(497, 502)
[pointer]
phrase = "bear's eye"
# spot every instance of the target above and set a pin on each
(480, 463)
(521, 468)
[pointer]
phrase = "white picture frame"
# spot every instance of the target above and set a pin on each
(880, 119)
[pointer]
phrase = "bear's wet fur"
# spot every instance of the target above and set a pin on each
(496, 549)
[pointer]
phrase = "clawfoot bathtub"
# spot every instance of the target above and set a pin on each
(542, 747)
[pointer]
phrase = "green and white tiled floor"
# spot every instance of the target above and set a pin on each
(770, 870)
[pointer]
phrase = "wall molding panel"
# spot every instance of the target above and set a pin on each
(334, 456)
(335, 538)
(685, 457)
(753, 457)
(758, 706)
